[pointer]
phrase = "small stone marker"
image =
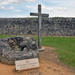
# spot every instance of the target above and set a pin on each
(27, 64)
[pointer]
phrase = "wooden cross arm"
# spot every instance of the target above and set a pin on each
(37, 14)
(45, 15)
(33, 14)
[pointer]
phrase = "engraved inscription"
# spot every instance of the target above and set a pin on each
(27, 64)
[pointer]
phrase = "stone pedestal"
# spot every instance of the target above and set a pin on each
(27, 49)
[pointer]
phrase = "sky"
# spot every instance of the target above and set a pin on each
(22, 8)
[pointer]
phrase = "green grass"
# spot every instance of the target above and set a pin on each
(3, 36)
(65, 47)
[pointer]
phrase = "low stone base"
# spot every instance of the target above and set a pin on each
(12, 57)
(8, 55)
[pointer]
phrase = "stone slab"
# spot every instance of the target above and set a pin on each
(42, 49)
(27, 64)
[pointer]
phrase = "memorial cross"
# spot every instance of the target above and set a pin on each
(39, 23)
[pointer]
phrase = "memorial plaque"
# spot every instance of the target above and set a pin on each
(27, 64)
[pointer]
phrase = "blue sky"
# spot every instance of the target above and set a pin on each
(22, 8)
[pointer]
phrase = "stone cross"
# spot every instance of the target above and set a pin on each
(39, 23)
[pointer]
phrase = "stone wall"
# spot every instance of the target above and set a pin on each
(50, 26)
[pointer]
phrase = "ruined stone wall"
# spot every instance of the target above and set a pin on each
(50, 26)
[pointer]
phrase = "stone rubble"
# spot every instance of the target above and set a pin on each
(27, 46)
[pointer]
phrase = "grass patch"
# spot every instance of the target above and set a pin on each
(65, 47)
(4, 36)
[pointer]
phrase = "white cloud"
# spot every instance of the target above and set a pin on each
(17, 1)
(32, 7)
(62, 8)
(17, 10)
(11, 7)
(5, 2)
(13, 1)
(2, 7)
(28, 6)
(55, 8)
(46, 8)
(53, 11)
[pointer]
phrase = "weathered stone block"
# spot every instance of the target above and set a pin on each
(24, 48)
